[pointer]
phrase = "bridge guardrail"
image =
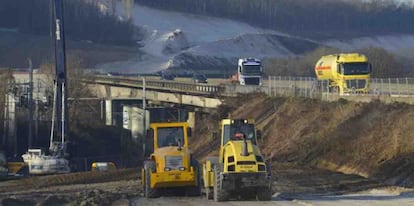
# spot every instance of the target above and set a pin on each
(311, 87)
(181, 87)
(273, 86)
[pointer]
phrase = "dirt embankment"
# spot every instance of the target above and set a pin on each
(85, 188)
(369, 139)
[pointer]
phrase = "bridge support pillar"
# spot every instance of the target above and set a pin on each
(191, 119)
(108, 112)
(133, 120)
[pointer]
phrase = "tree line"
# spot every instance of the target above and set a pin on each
(313, 16)
(83, 21)
(384, 63)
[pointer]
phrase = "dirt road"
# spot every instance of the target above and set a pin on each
(293, 187)
(298, 186)
(375, 197)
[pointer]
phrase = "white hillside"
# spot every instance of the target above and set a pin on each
(171, 33)
(190, 42)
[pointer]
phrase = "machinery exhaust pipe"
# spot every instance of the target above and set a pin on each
(244, 151)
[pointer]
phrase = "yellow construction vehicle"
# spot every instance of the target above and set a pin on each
(170, 163)
(347, 73)
(103, 166)
(240, 169)
(18, 168)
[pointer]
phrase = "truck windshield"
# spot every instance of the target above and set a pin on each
(170, 136)
(355, 68)
(231, 132)
(251, 70)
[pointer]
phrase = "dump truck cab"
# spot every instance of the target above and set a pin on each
(169, 161)
(240, 169)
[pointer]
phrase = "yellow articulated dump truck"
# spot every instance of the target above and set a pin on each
(170, 164)
(347, 73)
(240, 169)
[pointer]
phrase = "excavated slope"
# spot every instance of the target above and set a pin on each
(373, 140)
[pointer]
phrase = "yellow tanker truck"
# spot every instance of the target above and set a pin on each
(240, 169)
(170, 164)
(347, 73)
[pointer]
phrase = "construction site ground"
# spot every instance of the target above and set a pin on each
(322, 153)
(292, 186)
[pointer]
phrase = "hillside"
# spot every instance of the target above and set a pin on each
(16, 47)
(306, 18)
(83, 21)
(189, 41)
(367, 139)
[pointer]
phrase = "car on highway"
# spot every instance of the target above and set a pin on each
(200, 78)
(167, 76)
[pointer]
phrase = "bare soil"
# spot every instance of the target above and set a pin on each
(372, 140)
(316, 148)
(86, 188)
(123, 187)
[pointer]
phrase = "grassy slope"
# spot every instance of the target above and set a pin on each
(368, 139)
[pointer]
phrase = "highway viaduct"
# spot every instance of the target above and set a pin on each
(122, 96)
(163, 101)
(204, 97)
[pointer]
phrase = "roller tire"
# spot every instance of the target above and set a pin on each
(209, 193)
(264, 194)
(196, 190)
(219, 194)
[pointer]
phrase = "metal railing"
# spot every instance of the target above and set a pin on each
(294, 86)
(392, 86)
(311, 87)
(273, 86)
(172, 86)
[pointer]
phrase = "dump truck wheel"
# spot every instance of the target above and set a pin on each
(195, 191)
(218, 193)
(149, 192)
